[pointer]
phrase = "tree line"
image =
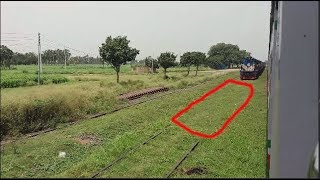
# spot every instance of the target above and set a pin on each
(48, 57)
(116, 52)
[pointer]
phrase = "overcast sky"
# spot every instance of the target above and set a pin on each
(152, 27)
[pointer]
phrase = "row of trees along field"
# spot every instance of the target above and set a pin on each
(116, 52)
(48, 57)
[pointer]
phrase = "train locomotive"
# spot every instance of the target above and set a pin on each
(251, 68)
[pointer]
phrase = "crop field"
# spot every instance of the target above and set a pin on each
(27, 75)
(92, 144)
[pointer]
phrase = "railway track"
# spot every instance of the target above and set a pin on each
(134, 148)
(140, 93)
(193, 146)
(130, 150)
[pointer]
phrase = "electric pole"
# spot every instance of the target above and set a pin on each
(65, 58)
(88, 58)
(40, 54)
(152, 63)
(39, 58)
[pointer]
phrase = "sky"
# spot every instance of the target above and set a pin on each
(152, 27)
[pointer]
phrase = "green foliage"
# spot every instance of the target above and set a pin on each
(231, 54)
(215, 62)
(192, 58)
(182, 84)
(186, 60)
(40, 114)
(198, 58)
(167, 60)
(57, 56)
(122, 130)
(132, 85)
(117, 52)
(103, 101)
(58, 80)
(11, 79)
(85, 60)
(24, 59)
(148, 62)
(6, 55)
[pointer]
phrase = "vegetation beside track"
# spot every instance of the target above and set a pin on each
(238, 152)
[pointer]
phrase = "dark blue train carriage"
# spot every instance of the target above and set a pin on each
(251, 68)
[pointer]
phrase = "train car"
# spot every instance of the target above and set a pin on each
(251, 68)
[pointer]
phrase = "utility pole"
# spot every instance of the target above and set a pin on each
(65, 58)
(39, 58)
(40, 54)
(152, 62)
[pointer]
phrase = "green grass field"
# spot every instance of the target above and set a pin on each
(27, 75)
(32, 108)
(239, 152)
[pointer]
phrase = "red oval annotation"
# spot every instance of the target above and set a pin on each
(174, 119)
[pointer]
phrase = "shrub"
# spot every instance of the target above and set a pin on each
(182, 84)
(175, 78)
(42, 113)
(57, 80)
(23, 117)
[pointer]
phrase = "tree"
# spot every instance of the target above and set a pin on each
(6, 56)
(186, 61)
(30, 58)
(148, 62)
(117, 52)
(18, 58)
(56, 56)
(242, 54)
(215, 62)
(66, 55)
(198, 59)
(230, 53)
(192, 58)
(167, 60)
(48, 57)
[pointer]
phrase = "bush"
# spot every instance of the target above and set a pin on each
(132, 83)
(57, 80)
(28, 116)
(11, 83)
(175, 78)
(107, 84)
(182, 84)
(103, 101)
(205, 79)
(24, 79)
(40, 114)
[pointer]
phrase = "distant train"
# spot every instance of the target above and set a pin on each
(251, 68)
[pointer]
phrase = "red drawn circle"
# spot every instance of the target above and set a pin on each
(203, 97)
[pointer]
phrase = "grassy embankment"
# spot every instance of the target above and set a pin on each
(238, 152)
(33, 108)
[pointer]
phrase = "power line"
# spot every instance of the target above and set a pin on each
(18, 39)
(61, 44)
(25, 43)
(15, 33)
(47, 42)
(55, 47)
